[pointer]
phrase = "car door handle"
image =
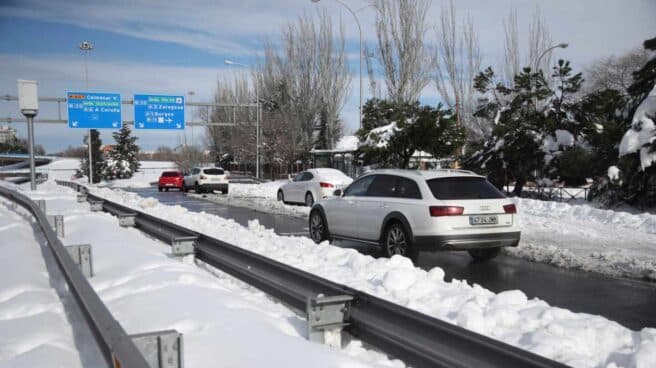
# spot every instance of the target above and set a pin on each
(383, 206)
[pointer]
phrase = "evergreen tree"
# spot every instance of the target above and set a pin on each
(123, 161)
(533, 124)
(98, 161)
(636, 183)
(393, 131)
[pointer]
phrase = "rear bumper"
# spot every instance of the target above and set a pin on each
(467, 242)
(169, 184)
(214, 186)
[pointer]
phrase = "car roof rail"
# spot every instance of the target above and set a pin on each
(456, 171)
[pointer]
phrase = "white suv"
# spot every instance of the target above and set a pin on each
(206, 179)
(406, 211)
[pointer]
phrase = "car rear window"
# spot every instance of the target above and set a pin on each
(463, 188)
(170, 174)
(213, 171)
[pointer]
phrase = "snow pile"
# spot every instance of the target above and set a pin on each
(147, 290)
(258, 197)
(642, 135)
(577, 339)
(586, 238)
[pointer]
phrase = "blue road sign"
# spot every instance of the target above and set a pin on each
(159, 112)
(93, 110)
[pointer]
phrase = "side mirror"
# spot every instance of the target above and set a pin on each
(337, 193)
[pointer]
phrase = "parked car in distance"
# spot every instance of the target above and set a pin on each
(206, 179)
(407, 211)
(170, 179)
(312, 185)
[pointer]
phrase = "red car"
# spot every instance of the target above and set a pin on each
(170, 179)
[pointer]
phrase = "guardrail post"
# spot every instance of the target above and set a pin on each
(161, 349)
(57, 221)
(95, 206)
(326, 316)
(41, 203)
(183, 245)
(127, 219)
(81, 254)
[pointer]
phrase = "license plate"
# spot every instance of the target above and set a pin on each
(216, 179)
(483, 220)
(168, 185)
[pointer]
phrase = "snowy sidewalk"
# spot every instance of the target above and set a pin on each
(224, 321)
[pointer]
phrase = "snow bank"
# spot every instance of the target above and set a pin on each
(258, 197)
(223, 320)
(642, 133)
(586, 238)
(569, 236)
(577, 339)
(36, 329)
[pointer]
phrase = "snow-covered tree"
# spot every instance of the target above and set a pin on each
(534, 122)
(122, 162)
(393, 131)
(634, 178)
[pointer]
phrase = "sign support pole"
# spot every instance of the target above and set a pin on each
(30, 138)
(90, 159)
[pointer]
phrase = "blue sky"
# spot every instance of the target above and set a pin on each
(174, 47)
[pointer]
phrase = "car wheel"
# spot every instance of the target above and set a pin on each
(166, 189)
(484, 254)
(197, 188)
(396, 241)
(318, 227)
(184, 188)
(159, 189)
(309, 199)
(281, 196)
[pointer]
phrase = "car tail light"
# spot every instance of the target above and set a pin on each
(326, 185)
(203, 177)
(437, 211)
(510, 208)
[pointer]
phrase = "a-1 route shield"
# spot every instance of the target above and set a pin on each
(159, 112)
(94, 110)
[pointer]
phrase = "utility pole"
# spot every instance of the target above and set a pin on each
(86, 47)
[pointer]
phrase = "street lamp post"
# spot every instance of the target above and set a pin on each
(86, 48)
(191, 95)
(257, 119)
(357, 22)
(537, 63)
(560, 45)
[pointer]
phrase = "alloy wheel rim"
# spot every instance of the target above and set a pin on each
(396, 243)
(316, 227)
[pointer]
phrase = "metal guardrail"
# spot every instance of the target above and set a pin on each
(114, 343)
(418, 339)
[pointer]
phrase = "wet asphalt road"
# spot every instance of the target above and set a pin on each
(629, 302)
